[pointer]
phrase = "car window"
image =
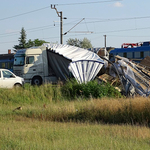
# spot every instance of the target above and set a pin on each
(7, 74)
(19, 60)
(30, 60)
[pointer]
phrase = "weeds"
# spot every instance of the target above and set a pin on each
(73, 90)
(76, 102)
(50, 119)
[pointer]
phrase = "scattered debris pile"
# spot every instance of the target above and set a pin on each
(144, 65)
(145, 62)
(130, 78)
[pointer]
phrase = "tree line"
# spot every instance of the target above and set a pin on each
(23, 43)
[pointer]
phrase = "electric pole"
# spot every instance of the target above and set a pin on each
(61, 23)
(105, 49)
(105, 40)
(61, 28)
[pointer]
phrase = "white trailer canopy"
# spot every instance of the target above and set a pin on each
(82, 63)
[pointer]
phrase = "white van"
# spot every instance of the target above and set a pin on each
(9, 79)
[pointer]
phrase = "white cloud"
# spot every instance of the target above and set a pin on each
(118, 4)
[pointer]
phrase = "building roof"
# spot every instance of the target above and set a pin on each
(6, 56)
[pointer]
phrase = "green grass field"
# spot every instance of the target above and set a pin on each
(24, 133)
(51, 120)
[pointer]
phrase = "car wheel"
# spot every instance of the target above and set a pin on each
(36, 81)
(17, 85)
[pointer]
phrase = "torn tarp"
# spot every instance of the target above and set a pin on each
(82, 63)
(85, 70)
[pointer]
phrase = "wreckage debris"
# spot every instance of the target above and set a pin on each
(128, 77)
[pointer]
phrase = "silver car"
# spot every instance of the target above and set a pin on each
(9, 79)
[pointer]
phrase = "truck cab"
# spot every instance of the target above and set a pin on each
(32, 65)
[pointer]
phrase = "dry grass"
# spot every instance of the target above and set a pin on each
(24, 133)
(116, 111)
(105, 124)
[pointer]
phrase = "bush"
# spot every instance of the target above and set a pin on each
(73, 90)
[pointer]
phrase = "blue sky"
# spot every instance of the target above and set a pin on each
(122, 21)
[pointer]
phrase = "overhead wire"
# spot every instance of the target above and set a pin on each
(86, 25)
(102, 20)
(24, 13)
(111, 31)
(118, 19)
(84, 3)
(96, 21)
(51, 26)
(128, 35)
(57, 5)
(131, 29)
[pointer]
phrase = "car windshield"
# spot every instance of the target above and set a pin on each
(19, 60)
(7, 74)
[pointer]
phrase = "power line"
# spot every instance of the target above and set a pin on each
(47, 27)
(93, 33)
(128, 35)
(118, 19)
(87, 2)
(24, 13)
(57, 5)
(32, 29)
(123, 30)
(101, 20)
(27, 30)
(51, 26)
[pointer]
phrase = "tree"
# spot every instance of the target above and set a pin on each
(30, 43)
(74, 42)
(22, 40)
(85, 43)
(38, 42)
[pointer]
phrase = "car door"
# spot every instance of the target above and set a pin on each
(30, 68)
(8, 79)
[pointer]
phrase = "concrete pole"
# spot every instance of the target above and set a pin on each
(105, 40)
(61, 28)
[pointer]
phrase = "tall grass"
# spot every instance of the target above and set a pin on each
(68, 117)
(48, 92)
(47, 103)
(23, 133)
(136, 111)
(52, 103)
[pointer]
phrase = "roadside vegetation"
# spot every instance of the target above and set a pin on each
(73, 116)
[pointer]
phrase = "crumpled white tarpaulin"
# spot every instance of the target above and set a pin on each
(84, 64)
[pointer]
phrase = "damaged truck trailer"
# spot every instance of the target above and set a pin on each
(53, 62)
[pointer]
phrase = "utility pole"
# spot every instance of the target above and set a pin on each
(61, 28)
(105, 40)
(61, 23)
(105, 49)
